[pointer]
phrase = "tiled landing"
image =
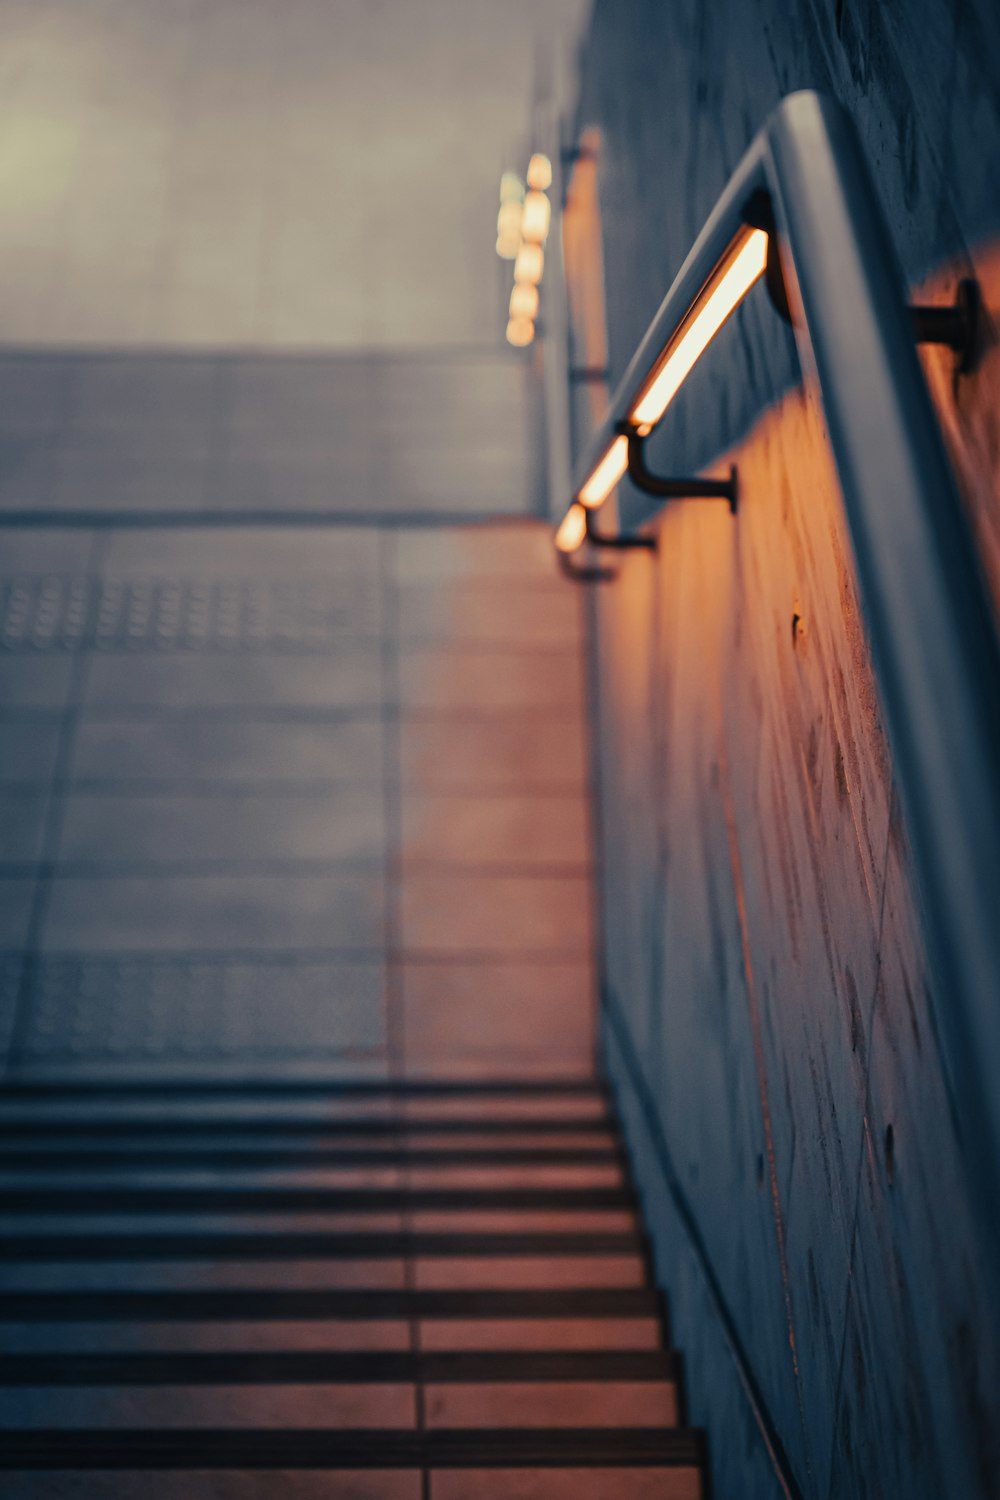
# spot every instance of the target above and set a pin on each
(428, 1291)
(276, 799)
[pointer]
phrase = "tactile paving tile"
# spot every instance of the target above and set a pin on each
(58, 613)
(45, 613)
(189, 1009)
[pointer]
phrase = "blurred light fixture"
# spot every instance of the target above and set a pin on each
(520, 332)
(539, 172)
(535, 218)
(572, 529)
(524, 300)
(508, 246)
(605, 474)
(529, 264)
(511, 188)
(744, 264)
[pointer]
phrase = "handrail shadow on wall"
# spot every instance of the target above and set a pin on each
(801, 214)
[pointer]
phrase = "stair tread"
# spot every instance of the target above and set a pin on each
(241, 1367)
(385, 1448)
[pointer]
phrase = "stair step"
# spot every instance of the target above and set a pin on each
(292, 1246)
(652, 1482)
(386, 1449)
(455, 1176)
(133, 1130)
(445, 1272)
(122, 1157)
(343, 1404)
(430, 1291)
(254, 1303)
(139, 1200)
(308, 1366)
(548, 1335)
(387, 1221)
(256, 1089)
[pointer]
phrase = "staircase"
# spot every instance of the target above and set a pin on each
(400, 1290)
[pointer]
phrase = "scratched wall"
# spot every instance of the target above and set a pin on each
(769, 1012)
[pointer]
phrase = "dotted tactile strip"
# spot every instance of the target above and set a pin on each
(183, 1009)
(64, 613)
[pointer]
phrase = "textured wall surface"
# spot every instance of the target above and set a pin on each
(769, 1012)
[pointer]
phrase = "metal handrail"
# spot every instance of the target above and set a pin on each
(930, 624)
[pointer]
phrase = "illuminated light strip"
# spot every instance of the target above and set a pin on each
(747, 261)
(573, 529)
(606, 475)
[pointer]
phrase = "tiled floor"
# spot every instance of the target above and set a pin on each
(156, 435)
(277, 797)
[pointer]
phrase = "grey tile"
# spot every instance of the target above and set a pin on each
(28, 751)
(247, 552)
(499, 753)
(178, 683)
(27, 470)
(27, 550)
(228, 754)
(213, 913)
(124, 471)
(529, 614)
(34, 392)
(34, 681)
(480, 829)
(275, 397)
(16, 895)
(142, 392)
(460, 912)
(338, 824)
(22, 823)
(325, 480)
(460, 680)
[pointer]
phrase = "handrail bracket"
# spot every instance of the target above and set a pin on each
(669, 488)
(958, 326)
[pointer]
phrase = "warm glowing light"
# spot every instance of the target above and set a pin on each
(535, 218)
(529, 264)
(573, 529)
(606, 475)
(511, 188)
(539, 172)
(509, 219)
(508, 246)
(746, 263)
(524, 300)
(520, 332)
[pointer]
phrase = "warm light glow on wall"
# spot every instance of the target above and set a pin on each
(524, 300)
(743, 266)
(535, 218)
(529, 264)
(520, 332)
(573, 529)
(539, 172)
(606, 475)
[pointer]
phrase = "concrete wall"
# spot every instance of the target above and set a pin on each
(769, 1012)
